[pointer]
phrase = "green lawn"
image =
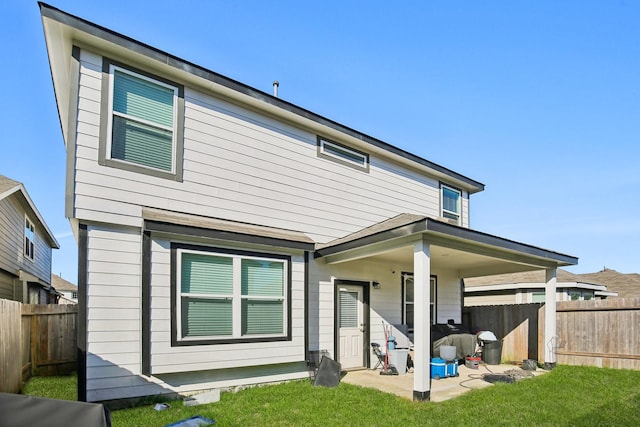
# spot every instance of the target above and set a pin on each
(567, 396)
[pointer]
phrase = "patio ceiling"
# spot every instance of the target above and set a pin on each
(471, 253)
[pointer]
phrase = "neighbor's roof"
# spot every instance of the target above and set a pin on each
(626, 285)
(62, 285)
(535, 279)
(536, 276)
(63, 29)
(8, 187)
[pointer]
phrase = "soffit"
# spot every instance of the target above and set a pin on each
(468, 252)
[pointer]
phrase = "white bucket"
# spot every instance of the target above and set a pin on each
(448, 352)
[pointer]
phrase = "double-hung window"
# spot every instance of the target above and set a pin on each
(408, 299)
(226, 295)
(142, 127)
(29, 239)
(451, 203)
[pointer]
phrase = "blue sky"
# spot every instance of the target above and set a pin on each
(538, 100)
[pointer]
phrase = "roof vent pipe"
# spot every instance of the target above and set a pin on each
(275, 88)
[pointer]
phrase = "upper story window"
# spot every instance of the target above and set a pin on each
(29, 239)
(142, 130)
(224, 295)
(342, 154)
(451, 203)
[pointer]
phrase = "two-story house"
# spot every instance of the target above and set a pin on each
(224, 233)
(26, 245)
(68, 291)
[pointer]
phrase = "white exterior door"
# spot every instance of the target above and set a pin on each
(350, 326)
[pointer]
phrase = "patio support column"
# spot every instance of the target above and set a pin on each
(550, 338)
(421, 321)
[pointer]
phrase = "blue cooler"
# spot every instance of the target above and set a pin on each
(451, 368)
(440, 368)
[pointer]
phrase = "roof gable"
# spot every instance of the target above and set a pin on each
(61, 284)
(9, 187)
(62, 30)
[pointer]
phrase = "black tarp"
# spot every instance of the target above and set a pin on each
(17, 410)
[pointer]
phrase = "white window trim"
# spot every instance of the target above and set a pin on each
(236, 297)
(111, 113)
(322, 149)
(444, 211)
(24, 241)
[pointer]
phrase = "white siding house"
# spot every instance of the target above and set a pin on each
(67, 291)
(528, 287)
(224, 233)
(26, 244)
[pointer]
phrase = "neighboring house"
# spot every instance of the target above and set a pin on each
(529, 287)
(26, 245)
(68, 291)
(224, 233)
(625, 285)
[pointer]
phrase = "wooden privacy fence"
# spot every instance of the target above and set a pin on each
(516, 325)
(596, 333)
(36, 340)
(10, 345)
(602, 333)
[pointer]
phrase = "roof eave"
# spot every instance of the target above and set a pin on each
(440, 230)
(70, 29)
(454, 231)
(20, 188)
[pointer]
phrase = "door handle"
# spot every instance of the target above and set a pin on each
(361, 327)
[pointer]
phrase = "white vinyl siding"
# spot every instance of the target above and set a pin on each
(246, 167)
(142, 121)
(113, 311)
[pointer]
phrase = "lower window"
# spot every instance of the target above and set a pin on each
(407, 299)
(222, 294)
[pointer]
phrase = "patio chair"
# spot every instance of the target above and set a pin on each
(377, 350)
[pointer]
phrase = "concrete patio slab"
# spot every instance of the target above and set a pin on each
(442, 389)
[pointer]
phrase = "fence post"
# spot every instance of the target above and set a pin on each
(10, 339)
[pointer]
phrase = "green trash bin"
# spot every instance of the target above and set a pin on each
(492, 352)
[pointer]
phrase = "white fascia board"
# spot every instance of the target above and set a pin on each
(606, 293)
(508, 286)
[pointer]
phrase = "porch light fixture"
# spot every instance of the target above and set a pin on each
(376, 285)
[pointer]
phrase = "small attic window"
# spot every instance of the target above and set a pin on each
(342, 154)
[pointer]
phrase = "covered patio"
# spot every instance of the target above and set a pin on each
(441, 390)
(429, 245)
